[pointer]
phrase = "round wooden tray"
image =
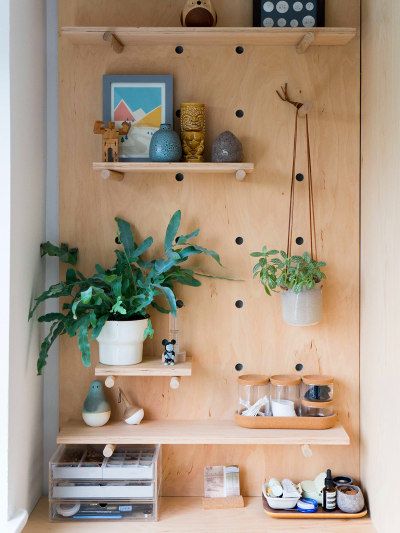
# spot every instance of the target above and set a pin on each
(290, 422)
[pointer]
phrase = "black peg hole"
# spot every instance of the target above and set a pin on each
(239, 240)
(299, 241)
(179, 49)
(300, 177)
(179, 304)
(199, 2)
(239, 304)
(179, 177)
(238, 367)
(239, 50)
(239, 113)
(178, 113)
(117, 241)
(299, 367)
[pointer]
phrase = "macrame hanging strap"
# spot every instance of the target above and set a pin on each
(313, 235)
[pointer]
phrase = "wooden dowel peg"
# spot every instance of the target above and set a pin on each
(175, 383)
(240, 174)
(305, 109)
(110, 382)
(306, 451)
(116, 44)
(112, 175)
(305, 43)
(109, 450)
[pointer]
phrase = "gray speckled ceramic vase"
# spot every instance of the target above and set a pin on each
(227, 149)
(350, 503)
(165, 145)
(303, 308)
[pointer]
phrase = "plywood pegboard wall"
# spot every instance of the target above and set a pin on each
(216, 333)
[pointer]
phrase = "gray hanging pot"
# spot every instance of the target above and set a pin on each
(303, 308)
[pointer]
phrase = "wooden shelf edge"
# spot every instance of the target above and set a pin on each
(151, 367)
(197, 432)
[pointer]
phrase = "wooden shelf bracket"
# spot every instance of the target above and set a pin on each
(110, 382)
(305, 43)
(241, 174)
(306, 451)
(116, 44)
(109, 450)
(112, 175)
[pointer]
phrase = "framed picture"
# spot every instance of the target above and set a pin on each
(145, 102)
(289, 13)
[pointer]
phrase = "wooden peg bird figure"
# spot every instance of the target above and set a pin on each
(111, 137)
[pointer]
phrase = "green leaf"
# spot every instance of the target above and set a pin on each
(149, 331)
(143, 247)
(83, 341)
(54, 291)
(56, 330)
(99, 326)
(51, 317)
(66, 254)
(118, 307)
(126, 237)
(172, 230)
(86, 296)
(160, 308)
(211, 253)
(183, 239)
(169, 295)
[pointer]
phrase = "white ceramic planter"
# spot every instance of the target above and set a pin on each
(302, 309)
(121, 343)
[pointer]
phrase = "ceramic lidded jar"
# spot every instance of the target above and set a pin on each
(227, 149)
(165, 145)
(350, 499)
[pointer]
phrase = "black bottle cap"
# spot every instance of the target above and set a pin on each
(329, 483)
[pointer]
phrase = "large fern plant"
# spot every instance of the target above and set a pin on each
(125, 291)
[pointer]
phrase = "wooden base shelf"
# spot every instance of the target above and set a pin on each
(148, 367)
(117, 171)
(209, 36)
(180, 515)
(197, 432)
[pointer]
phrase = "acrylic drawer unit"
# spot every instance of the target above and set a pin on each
(85, 485)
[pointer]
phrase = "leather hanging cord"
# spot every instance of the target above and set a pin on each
(313, 234)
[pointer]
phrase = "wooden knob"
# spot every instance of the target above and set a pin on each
(110, 382)
(240, 174)
(175, 383)
(305, 109)
(306, 451)
(109, 450)
(112, 175)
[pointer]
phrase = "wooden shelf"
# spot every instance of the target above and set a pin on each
(117, 171)
(178, 515)
(149, 367)
(196, 432)
(211, 36)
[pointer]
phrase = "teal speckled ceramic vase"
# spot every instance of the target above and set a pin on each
(165, 146)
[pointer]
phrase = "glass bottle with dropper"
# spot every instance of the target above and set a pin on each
(329, 493)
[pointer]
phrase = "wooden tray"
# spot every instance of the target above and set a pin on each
(290, 422)
(282, 513)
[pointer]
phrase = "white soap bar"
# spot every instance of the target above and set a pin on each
(289, 489)
(276, 487)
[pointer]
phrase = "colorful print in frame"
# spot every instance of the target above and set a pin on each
(145, 102)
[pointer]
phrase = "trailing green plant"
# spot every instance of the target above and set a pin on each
(126, 291)
(297, 272)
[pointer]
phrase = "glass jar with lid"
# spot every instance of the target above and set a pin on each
(317, 388)
(316, 408)
(253, 395)
(285, 395)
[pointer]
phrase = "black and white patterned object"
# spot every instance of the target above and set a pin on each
(289, 13)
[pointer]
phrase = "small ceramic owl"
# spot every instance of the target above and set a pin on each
(96, 410)
(198, 13)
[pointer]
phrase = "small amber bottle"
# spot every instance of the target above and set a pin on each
(329, 493)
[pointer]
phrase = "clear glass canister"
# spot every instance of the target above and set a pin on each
(317, 388)
(316, 408)
(285, 395)
(253, 395)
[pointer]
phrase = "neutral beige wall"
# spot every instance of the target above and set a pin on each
(380, 261)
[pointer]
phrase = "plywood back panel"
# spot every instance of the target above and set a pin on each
(215, 332)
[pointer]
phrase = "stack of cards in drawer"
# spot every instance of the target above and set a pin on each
(84, 485)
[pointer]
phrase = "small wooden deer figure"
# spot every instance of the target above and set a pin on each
(110, 138)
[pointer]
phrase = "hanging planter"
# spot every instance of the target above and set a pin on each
(298, 277)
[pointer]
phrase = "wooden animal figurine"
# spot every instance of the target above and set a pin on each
(111, 137)
(169, 354)
(96, 410)
(198, 13)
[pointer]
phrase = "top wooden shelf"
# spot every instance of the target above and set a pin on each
(212, 36)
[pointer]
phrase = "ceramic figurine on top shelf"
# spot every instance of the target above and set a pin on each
(96, 410)
(169, 353)
(111, 137)
(199, 13)
(165, 145)
(193, 131)
(227, 149)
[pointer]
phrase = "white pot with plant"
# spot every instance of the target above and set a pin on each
(299, 279)
(112, 305)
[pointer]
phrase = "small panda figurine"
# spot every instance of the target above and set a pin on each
(199, 13)
(169, 354)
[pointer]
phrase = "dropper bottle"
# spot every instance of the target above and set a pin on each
(329, 493)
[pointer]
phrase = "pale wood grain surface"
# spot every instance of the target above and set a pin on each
(180, 515)
(148, 367)
(219, 334)
(173, 168)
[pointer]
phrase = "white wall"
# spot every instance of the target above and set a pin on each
(380, 261)
(28, 148)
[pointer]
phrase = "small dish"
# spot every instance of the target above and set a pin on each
(280, 503)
